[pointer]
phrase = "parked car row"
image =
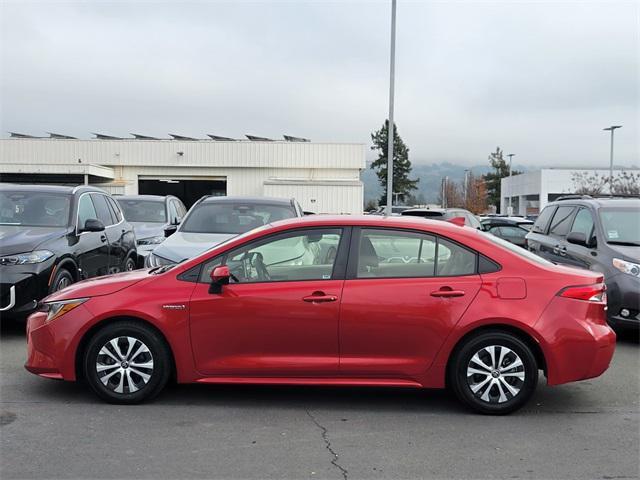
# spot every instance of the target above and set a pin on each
(53, 236)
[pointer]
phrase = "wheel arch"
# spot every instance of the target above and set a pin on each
(519, 333)
(82, 345)
(70, 264)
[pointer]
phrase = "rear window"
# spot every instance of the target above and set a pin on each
(234, 218)
(423, 213)
(543, 220)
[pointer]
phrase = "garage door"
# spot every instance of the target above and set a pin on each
(188, 190)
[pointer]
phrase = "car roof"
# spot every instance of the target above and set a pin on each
(600, 201)
(156, 198)
(375, 221)
(49, 188)
(247, 200)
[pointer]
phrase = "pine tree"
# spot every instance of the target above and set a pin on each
(402, 184)
(492, 179)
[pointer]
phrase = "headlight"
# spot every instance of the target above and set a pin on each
(37, 256)
(629, 268)
(151, 240)
(158, 261)
(57, 309)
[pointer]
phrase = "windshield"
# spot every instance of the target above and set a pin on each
(621, 225)
(148, 211)
(232, 218)
(515, 249)
(34, 209)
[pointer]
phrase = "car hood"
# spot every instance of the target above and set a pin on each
(146, 230)
(97, 286)
(180, 246)
(632, 253)
(21, 239)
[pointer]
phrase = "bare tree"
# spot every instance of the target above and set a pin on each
(626, 183)
(585, 183)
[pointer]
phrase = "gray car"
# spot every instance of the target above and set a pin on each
(213, 219)
(150, 215)
(598, 234)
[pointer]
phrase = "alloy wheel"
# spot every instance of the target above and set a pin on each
(124, 364)
(495, 374)
(63, 283)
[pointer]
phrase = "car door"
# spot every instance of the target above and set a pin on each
(403, 294)
(114, 232)
(579, 255)
(92, 248)
(555, 249)
(279, 316)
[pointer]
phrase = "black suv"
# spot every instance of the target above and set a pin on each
(599, 234)
(53, 236)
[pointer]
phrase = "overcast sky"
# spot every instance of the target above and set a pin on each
(540, 79)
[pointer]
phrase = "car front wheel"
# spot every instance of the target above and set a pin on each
(126, 362)
(494, 373)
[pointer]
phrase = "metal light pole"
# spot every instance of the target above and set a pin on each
(390, 132)
(611, 129)
(466, 185)
(510, 155)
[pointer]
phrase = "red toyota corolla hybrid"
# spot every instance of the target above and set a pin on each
(334, 301)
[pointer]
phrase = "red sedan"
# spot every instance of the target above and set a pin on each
(327, 300)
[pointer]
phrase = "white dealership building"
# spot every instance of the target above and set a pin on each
(531, 191)
(323, 177)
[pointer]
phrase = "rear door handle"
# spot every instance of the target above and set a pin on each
(103, 238)
(319, 297)
(447, 293)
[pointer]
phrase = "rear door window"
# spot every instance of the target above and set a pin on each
(543, 220)
(561, 222)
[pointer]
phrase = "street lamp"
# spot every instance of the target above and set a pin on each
(611, 129)
(510, 155)
(390, 133)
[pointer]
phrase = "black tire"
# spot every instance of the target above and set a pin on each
(62, 279)
(494, 398)
(158, 355)
(129, 264)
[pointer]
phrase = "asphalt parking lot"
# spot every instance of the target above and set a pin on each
(52, 429)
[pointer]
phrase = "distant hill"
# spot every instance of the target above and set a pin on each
(430, 179)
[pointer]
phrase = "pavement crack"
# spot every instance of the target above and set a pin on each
(327, 444)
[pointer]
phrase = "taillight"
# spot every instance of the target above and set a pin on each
(595, 293)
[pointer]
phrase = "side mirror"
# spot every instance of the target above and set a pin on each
(92, 225)
(219, 277)
(170, 230)
(577, 238)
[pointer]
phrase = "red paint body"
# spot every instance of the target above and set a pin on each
(367, 331)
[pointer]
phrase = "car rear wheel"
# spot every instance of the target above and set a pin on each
(126, 362)
(62, 279)
(494, 373)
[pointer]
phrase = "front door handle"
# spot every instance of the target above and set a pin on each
(103, 238)
(319, 297)
(447, 292)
